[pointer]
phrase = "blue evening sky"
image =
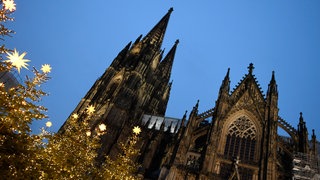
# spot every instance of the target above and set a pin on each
(79, 39)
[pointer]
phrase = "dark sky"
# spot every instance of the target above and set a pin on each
(79, 39)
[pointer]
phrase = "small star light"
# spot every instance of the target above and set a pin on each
(75, 115)
(46, 68)
(102, 127)
(88, 133)
(48, 124)
(23, 103)
(17, 60)
(136, 130)
(90, 109)
(1, 84)
(9, 5)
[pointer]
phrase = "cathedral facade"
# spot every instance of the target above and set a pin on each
(235, 139)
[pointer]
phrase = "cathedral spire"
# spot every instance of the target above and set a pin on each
(156, 35)
(225, 86)
(272, 88)
(121, 56)
(314, 148)
(303, 135)
(301, 118)
(194, 111)
(166, 64)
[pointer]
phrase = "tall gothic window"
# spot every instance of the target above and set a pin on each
(241, 140)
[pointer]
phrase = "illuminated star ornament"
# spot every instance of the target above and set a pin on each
(75, 115)
(88, 133)
(17, 60)
(90, 109)
(46, 68)
(102, 127)
(9, 5)
(136, 130)
(48, 124)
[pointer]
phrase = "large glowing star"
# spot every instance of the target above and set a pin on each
(46, 68)
(90, 109)
(48, 124)
(17, 60)
(75, 115)
(9, 5)
(102, 127)
(136, 130)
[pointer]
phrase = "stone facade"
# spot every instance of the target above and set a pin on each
(235, 139)
(240, 140)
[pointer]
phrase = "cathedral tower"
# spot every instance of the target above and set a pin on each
(136, 83)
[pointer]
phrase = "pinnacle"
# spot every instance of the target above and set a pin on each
(250, 68)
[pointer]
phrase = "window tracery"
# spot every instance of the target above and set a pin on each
(241, 140)
(243, 128)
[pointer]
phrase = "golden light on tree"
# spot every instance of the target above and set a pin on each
(48, 124)
(69, 154)
(136, 130)
(124, 166)
(90, 109)
(9, 5)
(75, 115)
(102, 127)
(46, 68)
(17, 60)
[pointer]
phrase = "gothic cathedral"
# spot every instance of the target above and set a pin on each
(236, 139)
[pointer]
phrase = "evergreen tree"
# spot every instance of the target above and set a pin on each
(124, 166)
(68, 155)
(18, 108)
(72, 154)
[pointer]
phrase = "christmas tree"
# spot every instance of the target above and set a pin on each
(72, 154)
(18, 148)
(124, 167)
(68, 155)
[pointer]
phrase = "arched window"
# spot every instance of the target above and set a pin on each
(241, 140)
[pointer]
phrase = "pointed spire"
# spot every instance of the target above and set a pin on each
(314, 143)
(166, 64)
(273, 80)
(197, 105)
(156, 35)
(118, 60)
(303, 135)
(182, 124)
(272, 87)
(225, 86)
(301, 118)
(137, 40)
(184, 118)
(195, 109)
(313, 135)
